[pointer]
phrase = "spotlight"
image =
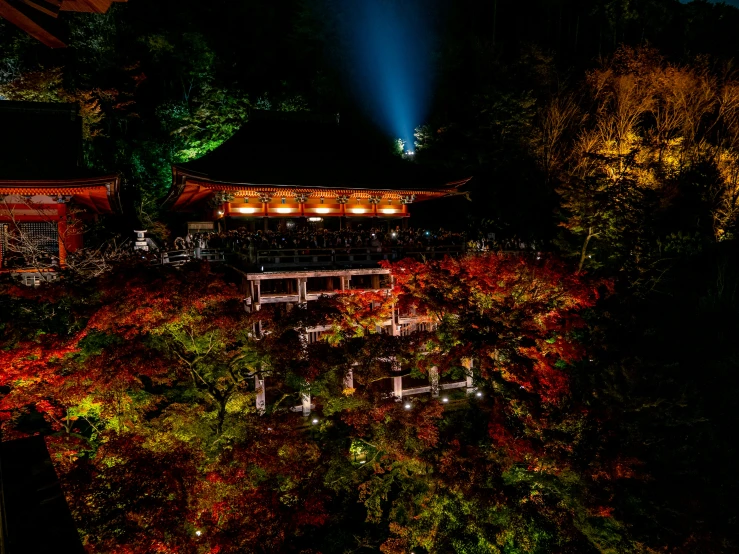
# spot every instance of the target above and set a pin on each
(393, 234)
(315, 421)
(445, 399)
(198, 533)
(478, 394)
(407, 406)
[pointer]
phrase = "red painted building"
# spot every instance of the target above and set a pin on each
(46, 196)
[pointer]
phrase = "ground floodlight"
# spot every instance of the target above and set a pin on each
(478, 394)
(407, 406)
(315, 421)
(445, 399)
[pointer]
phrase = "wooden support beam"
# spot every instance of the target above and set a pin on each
(49, 7)
(31, 21)
(87, 6)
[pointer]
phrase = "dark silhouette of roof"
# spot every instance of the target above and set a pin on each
(37, 517)
(40, 141)
(304, 150)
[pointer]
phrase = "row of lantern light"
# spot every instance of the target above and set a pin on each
(266, 198)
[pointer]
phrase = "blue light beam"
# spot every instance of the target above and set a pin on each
(390, 46)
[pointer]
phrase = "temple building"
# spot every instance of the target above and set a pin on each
(40, 18)
(46, 196)
(284, 169)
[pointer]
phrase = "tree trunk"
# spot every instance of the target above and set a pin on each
(585, 249)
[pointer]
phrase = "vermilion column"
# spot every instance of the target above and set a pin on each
(61, 227)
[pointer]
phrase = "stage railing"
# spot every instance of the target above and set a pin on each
(343, 257)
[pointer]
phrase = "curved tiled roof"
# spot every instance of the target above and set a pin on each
(308, 152)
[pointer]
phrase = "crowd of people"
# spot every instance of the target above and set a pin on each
(242, 239)
(372, 239)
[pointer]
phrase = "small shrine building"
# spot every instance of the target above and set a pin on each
(285, 168)
(46, 196)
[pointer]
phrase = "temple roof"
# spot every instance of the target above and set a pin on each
(40, 146)
(304, 151)
(37, 518)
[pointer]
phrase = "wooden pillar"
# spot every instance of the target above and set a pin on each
(265, 225)
(397, 382)
(434, 380)
(395, 314)
(375, 282)
(305, 401)
(302, 283)
(467, 363)
(61, 228)
(250, 292)
(260, 388)
(349, 379)
(256, 296)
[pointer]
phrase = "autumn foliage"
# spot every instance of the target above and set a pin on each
(147, 392)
